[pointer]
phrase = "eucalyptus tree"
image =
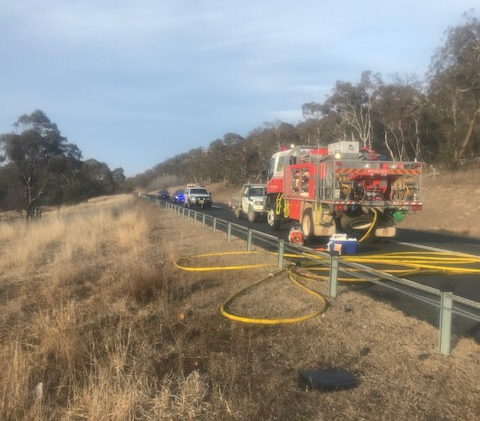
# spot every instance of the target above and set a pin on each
(352, 108)
(454, 91)
(226, 159)
(97, 179)
(322, 124)
(192, 166)
(37, 155)
(399, 115)
(264, 141)
(118, 176)
(310, 130)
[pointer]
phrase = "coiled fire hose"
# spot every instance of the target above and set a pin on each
(293, 275)
(398, 263)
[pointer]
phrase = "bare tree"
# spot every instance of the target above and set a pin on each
(454, 89)
(399, 113)
(353, 107)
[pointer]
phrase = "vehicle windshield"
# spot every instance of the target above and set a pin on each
(276, 166)
(198, 191)
(256, 191)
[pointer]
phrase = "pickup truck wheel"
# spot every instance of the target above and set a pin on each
(273, 220)
(251, 214)
(307, 224)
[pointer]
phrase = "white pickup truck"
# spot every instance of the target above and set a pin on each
(250, 202)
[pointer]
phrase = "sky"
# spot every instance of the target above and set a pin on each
(135, 82)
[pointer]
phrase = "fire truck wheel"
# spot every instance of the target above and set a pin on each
(273, 220)
(307, 224)
(251, 214)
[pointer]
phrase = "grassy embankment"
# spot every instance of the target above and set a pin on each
(96, 323)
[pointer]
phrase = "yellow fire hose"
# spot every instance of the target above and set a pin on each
(398, 263)
(293, 277)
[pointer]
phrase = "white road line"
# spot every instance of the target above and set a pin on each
(419, 246)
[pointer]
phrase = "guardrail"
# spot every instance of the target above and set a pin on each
(443, 299)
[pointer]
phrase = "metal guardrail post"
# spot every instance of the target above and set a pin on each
(214, 225)
(281, 249)
(445, 325)
(229, 231)
(203, 220)
(195, 214)
(332, 282)
(249, 240)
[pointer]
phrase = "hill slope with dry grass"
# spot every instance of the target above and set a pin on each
(451, 203)
(97, 323)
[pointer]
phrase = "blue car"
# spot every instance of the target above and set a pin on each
(178, 196)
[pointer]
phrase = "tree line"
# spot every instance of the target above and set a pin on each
(435, 121)
(40, 168)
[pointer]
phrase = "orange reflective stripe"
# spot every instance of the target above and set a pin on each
(373, 171)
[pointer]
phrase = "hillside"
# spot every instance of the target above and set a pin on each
(451, 203)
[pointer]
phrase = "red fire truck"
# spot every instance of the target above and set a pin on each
(341, 188)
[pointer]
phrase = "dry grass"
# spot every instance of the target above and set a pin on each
(96, 323)
(451, 203)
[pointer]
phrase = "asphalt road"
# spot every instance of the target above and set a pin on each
(463, 285)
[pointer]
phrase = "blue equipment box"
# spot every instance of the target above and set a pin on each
(348, 245)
